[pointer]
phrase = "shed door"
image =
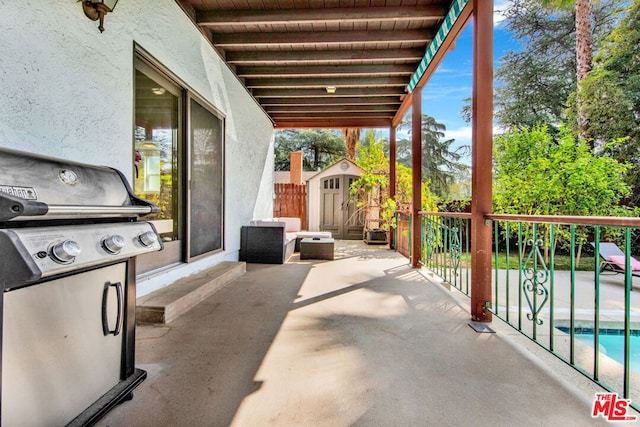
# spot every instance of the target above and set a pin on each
(353, 220)
(331, 206)
(338, 215)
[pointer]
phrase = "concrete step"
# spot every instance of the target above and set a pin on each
(166, 304)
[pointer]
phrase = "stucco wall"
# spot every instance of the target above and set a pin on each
(67, 91)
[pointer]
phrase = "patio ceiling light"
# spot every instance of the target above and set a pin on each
(97, 9)
(331, 89)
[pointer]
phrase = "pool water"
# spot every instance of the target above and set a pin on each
(612, 344)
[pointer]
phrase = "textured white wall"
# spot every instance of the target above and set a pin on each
(67, 91)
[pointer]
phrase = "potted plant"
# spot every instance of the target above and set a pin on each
(371, 192)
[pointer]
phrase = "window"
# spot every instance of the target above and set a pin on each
(157, 159)
(178, 157)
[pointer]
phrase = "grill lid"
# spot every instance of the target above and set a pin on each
(39, 187)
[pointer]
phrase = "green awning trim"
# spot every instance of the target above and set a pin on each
(447, 24)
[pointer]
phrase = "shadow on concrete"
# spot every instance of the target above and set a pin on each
(203, 365)
(362, 252)
(396, 350)
(376, 285)
(342, 343)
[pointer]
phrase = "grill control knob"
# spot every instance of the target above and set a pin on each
(65, 251)
(148, 238)
(114, 243)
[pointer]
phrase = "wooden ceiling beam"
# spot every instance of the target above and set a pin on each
(217, 18)
(335, 114)
(325, 71)
(270, 102)
(294, 94)
(332, 123)
(321, 56)
(228, 41)
(332, 109)
(338, 82)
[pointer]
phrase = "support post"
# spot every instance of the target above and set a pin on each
(392, 175)
(416, 173)
(481, 161)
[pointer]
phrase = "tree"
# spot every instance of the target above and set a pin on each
(320, 148)
(584, 55)
(535, 82)
(351, 138)
(535, 175)
(441, 163)
(584, 50)
(611, 97)
(584, 36)
(371, 190)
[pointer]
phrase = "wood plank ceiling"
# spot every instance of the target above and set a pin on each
(290, 53)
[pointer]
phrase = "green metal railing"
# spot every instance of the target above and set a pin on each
(551, 284)
(446, 247)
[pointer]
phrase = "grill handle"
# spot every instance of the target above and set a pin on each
(82, 210)
(11, 207)
(105, 317)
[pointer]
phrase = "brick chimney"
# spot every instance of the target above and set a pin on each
(295, 168)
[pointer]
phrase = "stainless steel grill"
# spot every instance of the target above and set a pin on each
(69, 235)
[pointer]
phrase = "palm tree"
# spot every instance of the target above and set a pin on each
(351, 138)
(584, 50)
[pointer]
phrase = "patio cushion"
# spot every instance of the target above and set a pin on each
(619, 260)
(305, 234)
(291, 224)
(267, 223)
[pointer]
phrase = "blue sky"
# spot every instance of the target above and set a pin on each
(443, 96)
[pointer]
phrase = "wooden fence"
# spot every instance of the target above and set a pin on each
(291, 201)
(402, 234)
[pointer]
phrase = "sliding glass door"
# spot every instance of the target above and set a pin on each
(158, 160)
(206, 179)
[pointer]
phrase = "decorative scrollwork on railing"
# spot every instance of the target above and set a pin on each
(536, 275)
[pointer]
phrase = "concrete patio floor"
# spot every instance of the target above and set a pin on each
(360, 341)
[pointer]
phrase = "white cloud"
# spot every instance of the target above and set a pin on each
(463, 134)
(498, 8)
(498, 130)
(447, 92)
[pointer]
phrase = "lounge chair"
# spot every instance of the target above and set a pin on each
(614, 259)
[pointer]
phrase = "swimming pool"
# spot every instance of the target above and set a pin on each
(612, 344)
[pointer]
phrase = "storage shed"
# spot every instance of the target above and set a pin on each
(329, 206)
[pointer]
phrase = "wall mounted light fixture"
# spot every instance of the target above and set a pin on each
(96, 9)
